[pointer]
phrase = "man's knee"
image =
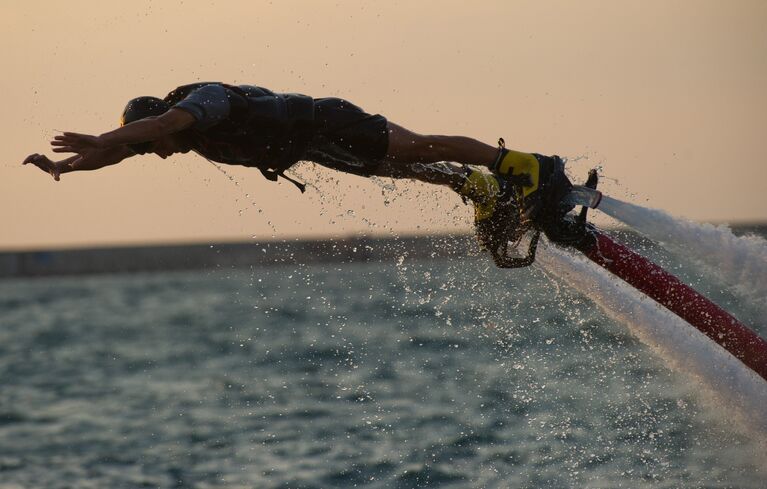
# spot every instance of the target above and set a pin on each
(410, 146)
(426, 148)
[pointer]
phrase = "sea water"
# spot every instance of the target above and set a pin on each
(434, 373)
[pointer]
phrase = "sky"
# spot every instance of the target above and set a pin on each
(667, 98)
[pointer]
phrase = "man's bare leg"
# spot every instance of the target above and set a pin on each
(426, 157)
(407, 146)
(432, 159)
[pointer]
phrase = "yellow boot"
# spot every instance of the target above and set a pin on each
(483, 190)
(523, 170)
(538, 181)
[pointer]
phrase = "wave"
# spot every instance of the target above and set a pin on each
(735, 388)
(739, 261)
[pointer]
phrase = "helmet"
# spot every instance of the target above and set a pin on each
(139, 108)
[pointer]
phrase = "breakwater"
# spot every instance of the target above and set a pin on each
(126, 259)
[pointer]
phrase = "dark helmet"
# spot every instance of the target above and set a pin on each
(139, 108)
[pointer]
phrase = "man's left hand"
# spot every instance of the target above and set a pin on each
(72, 142)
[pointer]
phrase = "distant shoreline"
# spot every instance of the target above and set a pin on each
(232, 255)
(229, 255)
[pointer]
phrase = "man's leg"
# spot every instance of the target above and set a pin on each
(429, 159)
(409, 147)
(412, 155)
(426, 157)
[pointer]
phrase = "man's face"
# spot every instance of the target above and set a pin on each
(168, 145)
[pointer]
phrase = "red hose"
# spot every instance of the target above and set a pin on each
(682, 300)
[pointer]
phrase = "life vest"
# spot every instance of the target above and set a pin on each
(264, 130)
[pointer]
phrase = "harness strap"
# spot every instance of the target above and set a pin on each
(517, 181)
(497, 163)
(272, 176)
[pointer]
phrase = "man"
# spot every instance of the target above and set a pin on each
(252, 126)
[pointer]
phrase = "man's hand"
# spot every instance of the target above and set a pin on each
(72, 142)
(42, 162)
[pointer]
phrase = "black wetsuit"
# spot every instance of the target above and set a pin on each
(253, 126)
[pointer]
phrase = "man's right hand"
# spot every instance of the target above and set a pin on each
(45, 164)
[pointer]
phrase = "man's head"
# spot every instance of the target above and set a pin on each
(140, 108)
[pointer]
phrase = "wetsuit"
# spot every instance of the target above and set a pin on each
(253, 126)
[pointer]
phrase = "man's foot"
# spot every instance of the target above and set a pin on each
(538, 182)
(483, 190)
(521, 170)
(496, 209)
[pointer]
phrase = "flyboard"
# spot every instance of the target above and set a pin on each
(565, 228)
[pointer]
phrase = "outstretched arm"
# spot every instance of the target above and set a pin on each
(93, 161)
(140, 131)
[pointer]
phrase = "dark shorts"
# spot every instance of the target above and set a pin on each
(348, 139)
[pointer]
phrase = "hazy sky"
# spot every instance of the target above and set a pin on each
(667, 97)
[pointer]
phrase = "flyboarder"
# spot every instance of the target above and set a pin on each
(522, 194)
(255, 127)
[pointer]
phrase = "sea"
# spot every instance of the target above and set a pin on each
(402, 373)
